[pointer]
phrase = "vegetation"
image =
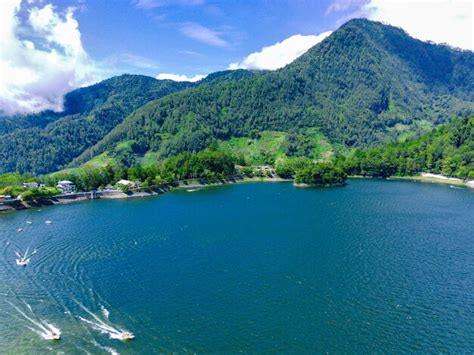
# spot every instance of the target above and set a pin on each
(448, 150)
(320, 174)
(209, 165)
(39, 193)
(364, 85)
(48, 141)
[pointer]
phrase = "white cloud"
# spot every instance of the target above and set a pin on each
(178, 77)
(203, 34)
(43, 63)
(440, 21)
(280, 54)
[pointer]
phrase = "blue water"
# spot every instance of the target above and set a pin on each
(262, 267)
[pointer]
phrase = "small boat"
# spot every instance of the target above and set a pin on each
(22, 262)
(126, 336)
(28, 222)
(48, 222)
(54, 336)
(19, 230)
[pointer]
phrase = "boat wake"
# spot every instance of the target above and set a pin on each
(104, 326)
(108, 349)
(41, 327)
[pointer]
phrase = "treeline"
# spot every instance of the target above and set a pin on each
(209, 165)
(448, 150)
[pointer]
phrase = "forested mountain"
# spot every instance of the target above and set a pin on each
(47, 141)
(366, 84)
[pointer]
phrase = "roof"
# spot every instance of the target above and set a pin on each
(65, 182)
(124, 182)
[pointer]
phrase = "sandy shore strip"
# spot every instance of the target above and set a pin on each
(438, 179)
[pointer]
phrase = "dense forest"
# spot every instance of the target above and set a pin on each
(448, 150)
(364, 85)
(47, 141)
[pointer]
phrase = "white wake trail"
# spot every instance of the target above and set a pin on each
(41, 327)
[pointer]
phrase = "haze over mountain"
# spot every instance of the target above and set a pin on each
(367, 83)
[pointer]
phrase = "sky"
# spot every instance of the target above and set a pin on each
(50, 47)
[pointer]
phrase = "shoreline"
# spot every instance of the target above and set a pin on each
(436, 179)
(196, 184)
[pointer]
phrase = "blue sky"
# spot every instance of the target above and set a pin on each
(168, 38)
(50, 47)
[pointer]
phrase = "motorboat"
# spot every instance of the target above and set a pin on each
(126, 336)
(22, 261)
(54, 336)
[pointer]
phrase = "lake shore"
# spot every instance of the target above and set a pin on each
(437, 179)
(199, 184)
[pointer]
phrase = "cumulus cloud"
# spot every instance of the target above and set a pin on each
(440, 21)
(41, 58)
(203, 34)
(178, 77)
(280, 54)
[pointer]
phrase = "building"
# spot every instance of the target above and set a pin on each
(30, 185)
(124, 182)
(66, 186)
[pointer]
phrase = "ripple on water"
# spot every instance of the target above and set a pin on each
(256, 268)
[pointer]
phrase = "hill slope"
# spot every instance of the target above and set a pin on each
(366, 84)
(47, 141)
(448, 150)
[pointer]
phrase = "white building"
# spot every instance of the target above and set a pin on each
(30, 185)
(66, 186)
(126, 183)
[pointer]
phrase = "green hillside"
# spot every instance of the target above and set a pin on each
(48, 141)
(367, 84)
(364, 85)
(448, 150)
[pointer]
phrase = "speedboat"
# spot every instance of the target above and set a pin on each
(125, 336)
(22, 262)
(48, 222)
(19, 229)
(54, 336)
(28, 222)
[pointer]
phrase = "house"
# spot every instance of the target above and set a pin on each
(66, 186)
(30, 185)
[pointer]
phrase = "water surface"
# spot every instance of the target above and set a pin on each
(375, 265)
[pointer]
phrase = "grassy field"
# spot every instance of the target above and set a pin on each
(271, 146)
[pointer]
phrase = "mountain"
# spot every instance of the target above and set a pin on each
(47, 141)
(366, 84)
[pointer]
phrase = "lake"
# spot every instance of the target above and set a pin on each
(256, 267)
